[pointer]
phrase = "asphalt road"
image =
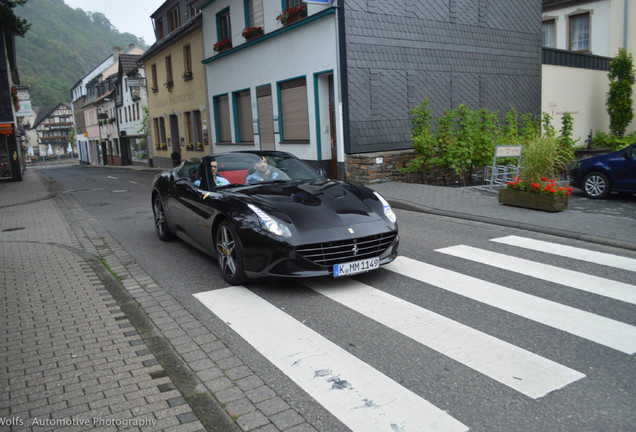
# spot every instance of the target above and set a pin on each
(590, 385)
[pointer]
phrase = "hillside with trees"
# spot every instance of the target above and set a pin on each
(61, 46)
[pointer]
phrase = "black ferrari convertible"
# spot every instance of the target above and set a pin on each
(263, 214)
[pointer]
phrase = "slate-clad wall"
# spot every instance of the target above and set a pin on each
(484, 53)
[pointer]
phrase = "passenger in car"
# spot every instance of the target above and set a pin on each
(217, 180)
(262, 171)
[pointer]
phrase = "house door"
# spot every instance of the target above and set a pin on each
(265, 117)
(174, 133)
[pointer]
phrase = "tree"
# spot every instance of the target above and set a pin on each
(619, 97)
(9, 21)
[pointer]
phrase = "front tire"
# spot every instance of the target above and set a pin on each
(596, 185)
(229, 254)
(161, 224)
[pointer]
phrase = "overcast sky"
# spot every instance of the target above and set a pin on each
(128, 16)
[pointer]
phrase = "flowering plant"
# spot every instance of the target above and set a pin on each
(545, 186)
(189, 146)
(222, 44)
(187, 74)
(15, 99)
(299, 11)
(199, 146)
(252, 31)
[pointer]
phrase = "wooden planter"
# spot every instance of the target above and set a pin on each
(532, 200)
(252, 37)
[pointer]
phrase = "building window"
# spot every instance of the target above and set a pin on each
(192, 10)
(254, 13)
(243, 116)
(169, 78)
(159, 28)
(194, 129)
(580, 32)
(548, 29)
(291, 3)
(187, 60)
(160, 130)
(223, 28)
(222, 116)
(174, 20)
(153, 74)
(293, 110)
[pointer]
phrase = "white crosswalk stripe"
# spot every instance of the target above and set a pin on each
(367, 400)
(602, 330)
(517, 368)
(605, 259)
(593, 284)
(360, 396)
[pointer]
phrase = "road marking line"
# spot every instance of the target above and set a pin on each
(521, 370)
(605, 331)
(112, 177)
(605, 259)
(362, 398)
(593, 284)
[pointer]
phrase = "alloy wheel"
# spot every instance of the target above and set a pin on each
(225, 247)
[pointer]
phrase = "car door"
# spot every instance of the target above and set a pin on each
(625, 169)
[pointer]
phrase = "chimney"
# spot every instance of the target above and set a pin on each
(130, 47)
(116, 52)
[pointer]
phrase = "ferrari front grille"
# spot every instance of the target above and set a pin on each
(329, 253)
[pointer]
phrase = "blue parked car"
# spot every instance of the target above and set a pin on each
(599, 175)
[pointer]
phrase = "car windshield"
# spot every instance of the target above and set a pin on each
(253, 168)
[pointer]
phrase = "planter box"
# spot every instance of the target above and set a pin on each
(252, 37)
(532, 200)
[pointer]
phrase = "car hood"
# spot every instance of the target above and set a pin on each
(315, 205)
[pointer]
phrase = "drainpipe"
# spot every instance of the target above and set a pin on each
(625, 25)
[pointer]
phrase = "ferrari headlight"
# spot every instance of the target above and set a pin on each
(388, 211)
(269, 223)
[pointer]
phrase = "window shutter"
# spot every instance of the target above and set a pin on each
(265, 117)
(223, 118)
(293, 99)
(244, 111)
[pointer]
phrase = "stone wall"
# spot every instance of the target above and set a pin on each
(381, 167)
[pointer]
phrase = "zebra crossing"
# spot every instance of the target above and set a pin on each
(365, 399)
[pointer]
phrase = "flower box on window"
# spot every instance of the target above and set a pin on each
(292, 14)
(251, 33)
(222, 45)
(169, 84)
(187, 75)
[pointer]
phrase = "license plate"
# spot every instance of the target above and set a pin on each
(355, 267)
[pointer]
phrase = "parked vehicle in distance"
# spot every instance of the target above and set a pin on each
(271, 214)
(597, 176)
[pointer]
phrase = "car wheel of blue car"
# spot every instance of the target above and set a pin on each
(596, 185)
(229, 254)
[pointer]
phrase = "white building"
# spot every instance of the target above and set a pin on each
(579, 38)
(132, 99)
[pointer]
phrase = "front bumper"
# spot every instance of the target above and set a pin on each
(289, 261)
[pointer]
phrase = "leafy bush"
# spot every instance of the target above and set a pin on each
(619, 97)
(602, 139)
(465, 139)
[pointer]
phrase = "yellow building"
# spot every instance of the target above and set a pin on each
(176, 86)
